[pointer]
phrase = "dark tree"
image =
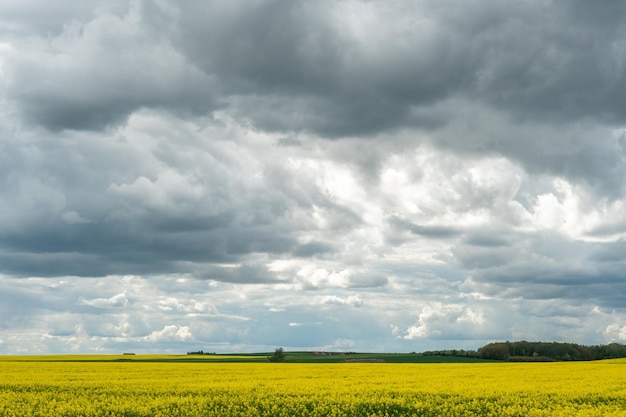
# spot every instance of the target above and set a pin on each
(277, 356)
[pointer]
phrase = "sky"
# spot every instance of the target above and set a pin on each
(350, 175)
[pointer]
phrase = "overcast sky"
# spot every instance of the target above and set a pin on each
(356, 175)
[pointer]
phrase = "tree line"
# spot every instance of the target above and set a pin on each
(200, 352)
(538, 351)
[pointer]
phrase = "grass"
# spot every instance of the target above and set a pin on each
(291, 357)
(335, 357)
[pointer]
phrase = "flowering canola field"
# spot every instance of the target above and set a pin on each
(136, 388)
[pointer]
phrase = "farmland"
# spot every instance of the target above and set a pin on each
(181, 386)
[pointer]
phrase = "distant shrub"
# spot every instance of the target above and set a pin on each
(277, 356)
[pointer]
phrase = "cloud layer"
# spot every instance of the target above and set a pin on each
(343, 175)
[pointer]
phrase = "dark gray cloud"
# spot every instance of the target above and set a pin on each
(39, 17)
(95, 205)
(550, 70)
(317, 72)
(552, 63)
(313, 249)
(546, 266)
(323, 64)
(98, 71)
(544, 77)
(547, 61)
(435, 232)
(240, 274)
(487, 240)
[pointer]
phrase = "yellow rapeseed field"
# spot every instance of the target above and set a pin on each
(136, 388)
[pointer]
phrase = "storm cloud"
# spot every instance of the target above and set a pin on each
(234, 175)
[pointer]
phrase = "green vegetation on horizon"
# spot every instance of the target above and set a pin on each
(500, 351)
(521, 351)
(290, 357)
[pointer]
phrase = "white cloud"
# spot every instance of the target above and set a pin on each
(339, 345)
(451, 321)
(351, 300)
(615, 333)
(313, 277)
(115, 301)
(170, 333)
